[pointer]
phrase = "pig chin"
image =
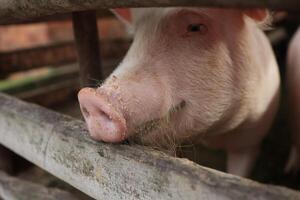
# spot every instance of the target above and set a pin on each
(159, 132)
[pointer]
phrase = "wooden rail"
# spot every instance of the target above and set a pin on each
(12, 188)
(101, 13)
(60, 145)
(54, 88)
(55, 55)
(47, 55)
(13, 11)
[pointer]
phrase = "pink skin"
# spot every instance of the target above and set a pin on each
(217, 63)
(101, 115)
(293, 89)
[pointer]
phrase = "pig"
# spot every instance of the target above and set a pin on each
(191, 75)
(293, 99)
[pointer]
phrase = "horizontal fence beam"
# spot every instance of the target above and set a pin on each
(60, 145)
(55, 55)
(56, 89)
(15, 10)
(12, 188)
(101, 13)
(43, 77)
(46, 55)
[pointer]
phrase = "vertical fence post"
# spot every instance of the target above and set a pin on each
(87, 44)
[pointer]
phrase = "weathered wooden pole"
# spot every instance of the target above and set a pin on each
(13, 11)
(56, 55)
(60, 145)
(12, 188)
(87, 44)
(60, 17)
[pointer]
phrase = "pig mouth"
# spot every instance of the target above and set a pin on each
(154, 124)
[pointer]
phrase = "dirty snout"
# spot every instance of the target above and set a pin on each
(105, 122)
(119, 110)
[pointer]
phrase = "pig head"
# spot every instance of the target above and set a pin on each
(190, 74)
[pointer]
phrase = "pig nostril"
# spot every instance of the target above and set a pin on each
(85, 112)
(104, 115)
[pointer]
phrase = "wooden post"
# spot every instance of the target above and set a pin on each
(87, 43)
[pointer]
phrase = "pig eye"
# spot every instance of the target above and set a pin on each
(196, 27)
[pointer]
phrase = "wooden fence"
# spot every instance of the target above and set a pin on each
(15, 10)
(60, 145)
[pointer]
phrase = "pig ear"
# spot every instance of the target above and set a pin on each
(124, 14)
(259, 15)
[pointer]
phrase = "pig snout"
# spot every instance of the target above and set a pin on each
(105, 122)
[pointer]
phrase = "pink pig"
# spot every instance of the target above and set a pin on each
(190, 75)
(293, 89)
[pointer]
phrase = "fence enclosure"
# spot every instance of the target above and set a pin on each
(60, 145)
